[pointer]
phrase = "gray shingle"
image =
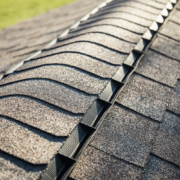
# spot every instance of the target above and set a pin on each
(126, 135)
(39, 115)
(171, 30)
(27, 143)
(159, 68)
(102, 39)
(146, 97)
(120, 23)
(95, 164)
(167, 46)
(78, 60)
(64, 74)
(125, 16)
(175, 99)
(51, 92)
(158, 169)
(112, 30)
(167, 143)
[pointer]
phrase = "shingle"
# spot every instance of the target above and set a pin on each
(130, 10)
(175, 99)
(98, 165)
(102, 39)
(171, 30)
(27, 143)
(159, 68)
(167, 145)
(77, 60)
(125, 135)
(15, 169)
(145, 96)
(158, 169)
(39, 115)
(120, 23)
(137, 5)
(176, 16)
(51, 92)
(64, 74)
(125, 16)
(112, 30)
(167, 46)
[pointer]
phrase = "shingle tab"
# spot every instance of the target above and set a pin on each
(167, 47)
(158, 169)
(64, 74)
(78, 60)
(175, 99)
(159, 68)
(146, 97)
(112, 30)
(27, 143)
(39, 115)
(102, 39)
(167, 143)
(126, 135)
(95, 164)
(171, 30)
(51, 92)
(120, 23)
(125, 16)
(15, 169)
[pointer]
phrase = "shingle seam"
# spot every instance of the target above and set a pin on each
(77, 142)
(11, 70)
(115, 157)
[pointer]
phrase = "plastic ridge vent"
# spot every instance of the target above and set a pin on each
(64, 162)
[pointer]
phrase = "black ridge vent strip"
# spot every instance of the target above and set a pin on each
(65, 160)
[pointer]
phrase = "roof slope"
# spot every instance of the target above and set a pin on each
(45, 99)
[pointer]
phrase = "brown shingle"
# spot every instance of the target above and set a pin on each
(146, 97)
(27, 143)
(167, 143)
(125, 135)
(95, 164)
(49, 91)
(78, 60)
(167, 47)
(64, 74)
(158, 169)
(159, 68)
(39, 114)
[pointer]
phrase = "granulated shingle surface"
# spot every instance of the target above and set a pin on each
(171, 30)
(158, 169)
(176, 16)
(54, 93)
(39, 114)
(159, 68)
(125, 16)
(27, 143)
(15, 169)
(102, 39)
(67, 75)
(138, 5)
(77, 60)
(146, 97)
(120, 23)
(167, 144)
(175, 99)
(125, 135)
(130, 10)
(95, 164)
(167, 46)
(112, 30)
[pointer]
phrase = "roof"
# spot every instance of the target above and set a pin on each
(101, 102)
